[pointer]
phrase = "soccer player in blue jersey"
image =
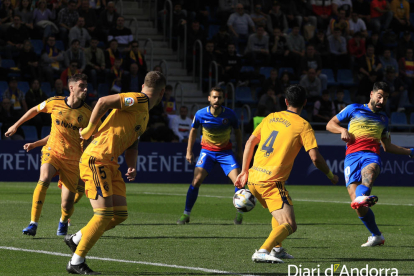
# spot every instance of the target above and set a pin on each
(216, 122)
(367, 129)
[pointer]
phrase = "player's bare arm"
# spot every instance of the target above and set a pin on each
(334, 127)
(101, 107)
(238, 135)
(320, 163)
(31, 113)
(29, 146)
(369, 174)
(391, 148)
(247, 158)
(191, 140)
(131, 160)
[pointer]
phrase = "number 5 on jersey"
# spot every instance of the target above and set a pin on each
(267, 146)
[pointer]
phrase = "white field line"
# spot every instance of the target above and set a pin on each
(124, 261)
(294, 199)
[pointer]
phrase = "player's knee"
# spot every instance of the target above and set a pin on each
(66, 204)
(293, 226)
(196, 182)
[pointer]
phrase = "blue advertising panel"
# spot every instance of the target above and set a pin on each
(166, 163)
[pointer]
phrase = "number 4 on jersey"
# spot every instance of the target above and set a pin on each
(267, 146)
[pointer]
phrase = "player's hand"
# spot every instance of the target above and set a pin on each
(241, 180)
(12, 130)
(335, 179)
(29, 146)
(190, 158)
(131, 174)
(346, 136)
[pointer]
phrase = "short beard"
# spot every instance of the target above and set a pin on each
(376, 109)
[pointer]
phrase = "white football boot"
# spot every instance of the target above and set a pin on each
(374, 241)
(280, 252)
(262, 257)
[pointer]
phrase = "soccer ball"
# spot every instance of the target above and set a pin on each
(243, 200)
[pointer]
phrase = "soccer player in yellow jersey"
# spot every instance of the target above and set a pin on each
(63, 149)
(280, 137)
(104, 185)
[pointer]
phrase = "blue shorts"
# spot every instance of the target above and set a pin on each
(355, 162)
(226, 159)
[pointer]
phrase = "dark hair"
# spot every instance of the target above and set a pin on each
(74, 61)
(134, 41)
(78, 77)
(74, 41)
(155, 79)
(217, 89)
(380, 85)
(183, 106)
(296, 95)
(168, 87)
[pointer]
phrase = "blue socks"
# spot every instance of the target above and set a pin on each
(362, 190)
(236, 189)
(369, 222)
(192, 195)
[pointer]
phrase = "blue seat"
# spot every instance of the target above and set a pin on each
(241, 112)
(398, 118)
(212, 31)
(45, 86)
(23, 86)
(103, 90)
(30, 133)
(45, 131)
(59, 44)
(90, 88)
(37, 46)
(7, 63)
(290, 70)
(3, 87)
(412, 118)
(244, 95)
(345, 77)
(265, 71)
(331, 78)
(247, 69)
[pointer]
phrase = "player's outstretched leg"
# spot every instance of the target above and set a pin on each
(278, 251)
(39, 196)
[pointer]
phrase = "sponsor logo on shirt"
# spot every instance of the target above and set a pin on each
(129, 101)
(225, 121)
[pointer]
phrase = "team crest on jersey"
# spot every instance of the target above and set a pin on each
(80, 118)
(138, 127)
(200, 162)
(225, 121)
(60, 113)
(42, 105)
(106, 186)
(129, 101)
(57, 122)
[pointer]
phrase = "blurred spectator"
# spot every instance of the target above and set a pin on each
(374, 41)
(381, 15)
(259, 17)
(257, 49)
(296, 45)
(136, 56)
(42, 18)
(272, 82)
(340, 23)
(337, 45)
(115, 76)
(67, 18)
(312, 60)
(404, 43)
(231, 64)
(225, 9)
(26, 14)
(168, 101)
(323, 109)
(356, 47)
(91, 20)
(181, 125)
(69, 72)
(157, 68)
(208, 57)
(362, 8)
(221, 40)
(122, 34)
(341, 5)
(112, 53)
(78, 32)
(339, 102)
(270, 100)
(75, 53)
(406, 65)
(195, 33)
(29, 62)
(98, 5)
(322, 48)
(323, 10)
(356, 24)
(370, 62)
(388, 61)
(401, 18)
(95, 63)
(108, 18)
(278, 18)
(238, 24)
(16, 97)
(304, 8)
(51, 60)
(35, 96)
(132, 82)
(58, 90)
(292, 15)
(398, 92)
(16, 34)
(179, 19)
(6, 14)
(8, 116)
(365, 87)
(198, 10)
(312, 85)
(279, 49)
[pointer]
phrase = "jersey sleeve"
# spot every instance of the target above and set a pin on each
(258, 130)
(386, 131)
(196, 121)
(46, 106)
(346, 113)
(132, 99)
(308, 137)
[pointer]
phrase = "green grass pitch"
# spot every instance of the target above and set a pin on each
(150, 242)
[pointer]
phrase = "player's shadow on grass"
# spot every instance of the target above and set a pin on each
(189, 237)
